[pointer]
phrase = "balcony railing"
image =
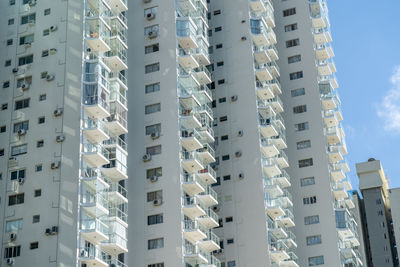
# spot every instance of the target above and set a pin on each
(94, 225)
(95, 148)
(117, 212)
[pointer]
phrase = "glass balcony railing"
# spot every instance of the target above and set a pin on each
(211, 214)
(93, 199)
(119, 213)
(193, 178)
(117, 239)
(95, 148)
(212, 237)
(207, 148)
(115, 263)
(193, 201)
(193, 225)
(95, 94)
(208, 170)
(92, 252)
(91, 124)
(120, 77)
(185, 27)
(94, 225)
(116, 187)
(193, 155)
(116, 141)
(211, 192)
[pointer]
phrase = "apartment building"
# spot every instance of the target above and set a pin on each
(394, 197)
(63, 121)
(325, 230)
(377, 217)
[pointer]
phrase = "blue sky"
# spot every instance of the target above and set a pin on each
(366, 42)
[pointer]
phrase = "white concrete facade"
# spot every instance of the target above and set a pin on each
(63, 167)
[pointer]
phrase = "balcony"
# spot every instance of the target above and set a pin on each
(268, 148)
(271, 37)
(278, 252)
(325, 68)
(192, 184)
(95, 154)
(194, 255)
(206, 154)
(116, 169)
(264, 90)
(291, 262)
(119, 28)
(283, 179)
(333, 135)
(287, 219)
(268, 128)
(203, 75)
(186, 59)
(95, 130)
(346, 227)
(206, 131)
(117, 194)
(337, 172)
(186, 6)
(335, 154)
(277, 105)
(282, 160)
(322, 36)
(211, 242)
(191, 161)
(324, 52)
(96, 100)
(201, 53)
(117, 122)
(208, 175)
(212, 262)
(274, 208)
(339, 191)
(119, 78)
(116, 58)
(291, 240)
(92, 256)
(257, 5)
(273, 189)
(206, 112)
(118, 215)
(277, 232)
(318, 14)
(188, 93)
(263, 73)
(261, 54)
(271, 167)
(186, 33)
(265, 109)
(208, 197)
(193, 231)
(94, 203)
(209, 220)
(259, 32)
(97, 32)
(276, 86)
(273, 52)
(330, 118)
(193, 207)
(274, 69)
(118, 5)
(93, 179)
(191, 140)
(189, 118)
(280, 139)
(115, 244)
(93, 230)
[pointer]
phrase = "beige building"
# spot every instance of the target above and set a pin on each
(63, 120)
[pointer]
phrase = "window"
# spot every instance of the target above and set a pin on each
(45, 53)
(231, 264)
(226, 177)
(313, 240)
(218, 29)
(12, 252)
(6, 84)
(294, 59)
(217, 12)
(296, 75)
(3, 129)
(293, 42)
(309, 200)
(152, 68)
(155, 243)
(1, 152)
(19, 150)
(224, 137)
(218, 46)
(151, 196)
(11, 2)
(229, 219)
(7, 63)
(42, 97)
(151, 48)
(289, 12)
(4, 106)
(218, 182)
(10, 21)
(222, 81)
(314, 261)
(35, 218)
(225, 157)
(223, 118)
(155, 219)
(300, 109)
(16, 199)
(15, 175)
(27, 39)
(151, 88)
(152, 108)
(14, 225)
(305, 163)
(311, 220)
(37, 193)
(230, 241)
(210, 50)
(307, 181)
(24, 125)
(301, 126)
(380, 213)
(47, 11)
(25, 80)
(291, 27)
(303, 144)
(20, 104)
(30, 18)
(34, 245)
(38, 168)
(153, 150)
(220, 64)
(154, 172)
(41, 120)
(156, 265)
(298, 92)
(46, 32)
(222, 100)
(155, 128)
(25, 60)
(10, 41)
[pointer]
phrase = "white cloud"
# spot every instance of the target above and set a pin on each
(389, 108)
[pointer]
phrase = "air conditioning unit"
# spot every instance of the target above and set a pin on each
(234, 98)
(60, 138)
(47, 231)
(32, 2)
(10, 261)
(21, 132)
(84, 253)
(154, 179)
(55, 165)
(21, 180)
(150, 16)
(25, 86)
(54, 230)
(13, 236)
(50, 77)
(53, 28)
(146, 157)
(238, 154)
(157, 202)
(152, 34)
(58, 112)
(15, 70)
(241, 176)
(27, 44)
(240, 133)
(244, 38)
(215, 208)
(146, 1)
(53, 51)
(155, 135)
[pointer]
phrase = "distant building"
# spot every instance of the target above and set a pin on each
(394, 196)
